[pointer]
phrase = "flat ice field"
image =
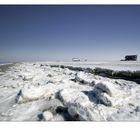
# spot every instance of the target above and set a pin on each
(115, 65)
(70, 91)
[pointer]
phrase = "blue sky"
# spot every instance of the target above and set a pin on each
(60, 32)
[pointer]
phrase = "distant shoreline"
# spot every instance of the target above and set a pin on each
(1, 64)
(5, 67)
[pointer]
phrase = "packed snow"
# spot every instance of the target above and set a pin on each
(40, 92)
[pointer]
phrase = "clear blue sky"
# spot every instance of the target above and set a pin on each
(93, 32)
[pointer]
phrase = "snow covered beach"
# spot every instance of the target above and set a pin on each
(65, 91)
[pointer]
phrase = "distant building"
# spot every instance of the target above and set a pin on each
(75, 59)
(130, 58)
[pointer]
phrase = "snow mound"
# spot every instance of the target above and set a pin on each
(105, 87)
(104, 91)
(102, 98)
(71, 95)
(83, 113)
(30, 93)
(47, 115)
(83, 78)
